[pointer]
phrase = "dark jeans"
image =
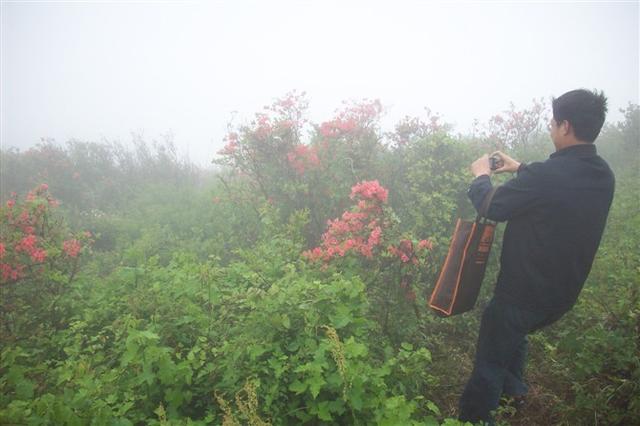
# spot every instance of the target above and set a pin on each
(500, 358)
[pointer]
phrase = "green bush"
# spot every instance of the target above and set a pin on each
(197, 305)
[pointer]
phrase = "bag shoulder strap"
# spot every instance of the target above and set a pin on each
(484, 208)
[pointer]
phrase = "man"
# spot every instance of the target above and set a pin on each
(556, 211)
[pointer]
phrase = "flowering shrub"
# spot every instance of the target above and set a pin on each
(71, 247)
(412, 128)
(267, 140)
(33, 242)
(513, 129)
(361, 230)
(303, 157)
(350, 141)
(358, 230)
(268, 159)
(321, 342)
(405, 250)
(273, 137)
(354, 119)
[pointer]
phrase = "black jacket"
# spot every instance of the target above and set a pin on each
(556, 212)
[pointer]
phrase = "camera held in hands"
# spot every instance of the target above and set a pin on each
(495, 162)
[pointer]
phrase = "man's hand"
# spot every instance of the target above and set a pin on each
(509, 164)
(481, 166)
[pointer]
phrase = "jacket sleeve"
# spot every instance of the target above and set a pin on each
(511, 199)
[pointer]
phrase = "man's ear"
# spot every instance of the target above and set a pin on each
(566, 128)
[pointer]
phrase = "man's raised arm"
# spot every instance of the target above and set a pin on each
(511, 199)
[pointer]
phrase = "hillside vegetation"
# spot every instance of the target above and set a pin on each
(289, 286)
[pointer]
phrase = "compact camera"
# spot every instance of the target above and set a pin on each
(495, 162)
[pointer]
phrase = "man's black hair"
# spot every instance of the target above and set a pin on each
(584, 110)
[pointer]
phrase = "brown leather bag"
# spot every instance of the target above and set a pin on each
(461, 276)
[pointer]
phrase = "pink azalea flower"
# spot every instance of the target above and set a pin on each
(71, 247)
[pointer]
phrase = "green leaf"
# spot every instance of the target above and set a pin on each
(256, 350)
(406, 346)
(433, 407)
(298, 387)
(393, 402)
(342, 317)
(24, 389)
(147, 374)
(149, 335)
(355, 349)
(65, 376)
(315, 384)
(431, 421)
(286, 322)
(323, 411)
(174, 397)
(125, 407)
(355, 397)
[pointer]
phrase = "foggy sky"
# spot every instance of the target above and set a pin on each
(100, 71)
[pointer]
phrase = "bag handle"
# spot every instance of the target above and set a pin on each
(484, 208)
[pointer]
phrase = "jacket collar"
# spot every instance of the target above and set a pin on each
(580, 150)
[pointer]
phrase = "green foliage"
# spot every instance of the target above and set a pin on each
(197, 307)
(39, 260)
(427, 180)
(94, 176)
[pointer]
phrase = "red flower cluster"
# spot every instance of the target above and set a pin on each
(231, 144)
(405, 250)
(8, 273)
(333, 129)
(71, 247)
(289, 109)
(359, 230)
(28, 245)
(285, 124)
(369, 190)
(303, 157)
(358, 116)
(27, 236)
(278, 126)
(11, 274)
(425, 244)
(264, 128)
(25, 223)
